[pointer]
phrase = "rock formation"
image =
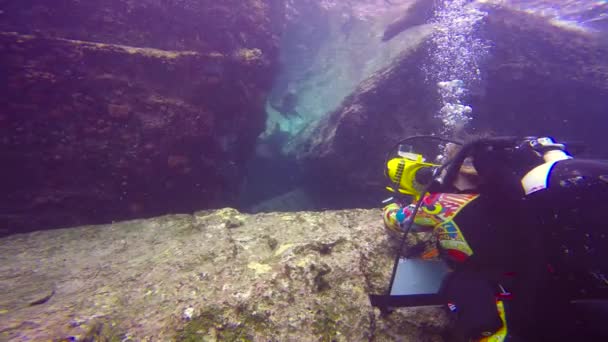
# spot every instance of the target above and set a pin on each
(543, 78)
(118, 109)
(214, 275)
(540, 78)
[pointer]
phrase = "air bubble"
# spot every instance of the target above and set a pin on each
(455, 63)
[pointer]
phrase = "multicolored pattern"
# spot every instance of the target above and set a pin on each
(390, 217)
(446, 206)
(438, 211)
(451, 239)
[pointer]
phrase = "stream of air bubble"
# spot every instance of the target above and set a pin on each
(455, 61)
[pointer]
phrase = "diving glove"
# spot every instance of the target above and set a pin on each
(394, 217)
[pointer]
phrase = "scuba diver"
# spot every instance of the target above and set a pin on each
(286, 105)
(520, 225)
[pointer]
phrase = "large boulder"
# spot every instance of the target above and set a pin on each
(344, 151)
(212, 276)
(543, 77)
(204, 25)
(117, 110)
(540, 78)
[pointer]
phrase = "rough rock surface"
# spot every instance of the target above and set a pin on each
(122, 109)
(199, 25)
(214, 275)
(543, 77)
(347, 147)
(540, 79)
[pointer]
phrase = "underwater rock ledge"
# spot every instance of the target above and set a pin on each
(95, 132)
(539, 79)
(127, 109)
(213, 275)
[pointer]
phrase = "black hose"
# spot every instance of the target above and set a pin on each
(467, 151)
(406, 231)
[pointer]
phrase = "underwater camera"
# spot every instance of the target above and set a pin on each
(409, 172)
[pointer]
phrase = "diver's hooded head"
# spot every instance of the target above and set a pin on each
(502, 168)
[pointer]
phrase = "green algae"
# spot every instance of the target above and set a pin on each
(227, 217)
(103, 331)
(219, 324)
(325, 325)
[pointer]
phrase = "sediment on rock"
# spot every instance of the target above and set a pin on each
(217, 274)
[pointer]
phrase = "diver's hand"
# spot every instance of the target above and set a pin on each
(390, 215)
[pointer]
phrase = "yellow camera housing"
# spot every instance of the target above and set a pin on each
(402, 171)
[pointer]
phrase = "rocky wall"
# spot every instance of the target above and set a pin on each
(109, 116)
(540, 79)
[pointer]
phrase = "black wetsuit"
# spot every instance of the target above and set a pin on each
(571, 293)
(553, 244)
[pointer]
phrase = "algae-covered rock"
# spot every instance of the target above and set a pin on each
(118, 109)
(302, 276)
(199, 25)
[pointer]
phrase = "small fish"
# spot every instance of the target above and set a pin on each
(43, 299)
(270, 146)
(420, 12)
(286, 105)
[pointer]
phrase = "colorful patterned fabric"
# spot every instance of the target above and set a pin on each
(437, 211)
